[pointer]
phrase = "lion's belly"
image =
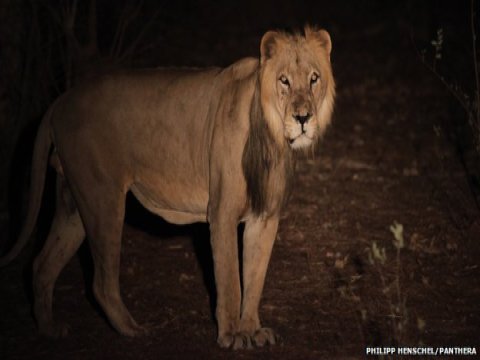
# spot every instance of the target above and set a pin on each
(175, 208)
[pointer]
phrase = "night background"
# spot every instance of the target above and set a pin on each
(403, 149)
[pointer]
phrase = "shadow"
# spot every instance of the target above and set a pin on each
(139, 217)
(86, 264)
(199, 233)
(203, 252)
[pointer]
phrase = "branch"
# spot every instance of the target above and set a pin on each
(129, 13)
(449, 87)
(133, 45)
(91, 45)
(69, 13)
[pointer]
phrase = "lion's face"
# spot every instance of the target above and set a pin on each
(297, 86)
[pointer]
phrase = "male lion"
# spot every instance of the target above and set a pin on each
(192, 145)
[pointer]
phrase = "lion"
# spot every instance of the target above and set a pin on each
(193, 145)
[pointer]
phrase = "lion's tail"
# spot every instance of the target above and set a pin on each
(41, 151)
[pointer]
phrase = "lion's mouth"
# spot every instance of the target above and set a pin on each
(300, 141)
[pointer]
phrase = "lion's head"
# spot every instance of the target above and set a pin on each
(297, 86)
(291, 107)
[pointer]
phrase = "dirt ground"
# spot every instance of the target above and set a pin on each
(386, 159)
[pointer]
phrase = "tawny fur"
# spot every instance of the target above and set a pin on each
(210, 145)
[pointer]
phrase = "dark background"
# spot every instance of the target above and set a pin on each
(403, 147)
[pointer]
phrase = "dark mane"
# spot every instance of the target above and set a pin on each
(263, 159)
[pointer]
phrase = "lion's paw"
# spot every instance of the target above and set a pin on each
(243, 340)
(264, 336)
(226, 340)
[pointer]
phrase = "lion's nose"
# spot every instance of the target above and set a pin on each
(302, 119)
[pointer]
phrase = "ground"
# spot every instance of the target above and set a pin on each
(386, 159)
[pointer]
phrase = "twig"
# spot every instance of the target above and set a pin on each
(128, 15)
(92, 45)
(133, 45)
(448, 86)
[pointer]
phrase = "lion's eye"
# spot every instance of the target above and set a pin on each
(283, 79)
(314, 79)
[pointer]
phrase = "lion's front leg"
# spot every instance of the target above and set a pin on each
(227, 278)
(258, 239)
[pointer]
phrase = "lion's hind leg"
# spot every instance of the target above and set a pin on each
(102, 208)
(64, 239)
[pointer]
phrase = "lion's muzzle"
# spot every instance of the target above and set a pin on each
(302, 108)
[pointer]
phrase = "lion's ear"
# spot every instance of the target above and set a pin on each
(267, 45)
(320, 36)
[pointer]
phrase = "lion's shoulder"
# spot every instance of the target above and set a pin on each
(242, 68)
